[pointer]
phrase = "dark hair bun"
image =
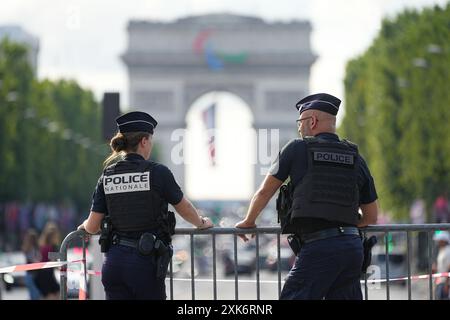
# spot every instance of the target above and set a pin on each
(118, 143)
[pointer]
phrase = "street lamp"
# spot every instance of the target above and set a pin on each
(11, 96)
(420, 62)
(434, 48)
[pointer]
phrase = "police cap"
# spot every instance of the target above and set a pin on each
(136, 121)
(319, 101)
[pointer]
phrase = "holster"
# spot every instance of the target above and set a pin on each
(105, 239)
(171, 221)
(166, 222)
(368, 244)
(284, 208)
(163, 256)
(294, 243)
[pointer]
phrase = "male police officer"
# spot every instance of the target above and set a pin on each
(330, 182)
(133, 194)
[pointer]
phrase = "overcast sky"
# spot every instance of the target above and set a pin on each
(83, 39)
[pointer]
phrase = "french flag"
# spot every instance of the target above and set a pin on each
(209, 120)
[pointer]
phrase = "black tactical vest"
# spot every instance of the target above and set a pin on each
(132, 204)
(329, 189)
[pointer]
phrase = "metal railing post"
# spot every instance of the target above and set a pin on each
(192, 268)
(84, 239)
(408, 255)
(214, 267)
(386, 255)
(63, 257)
(279, 264)
(258, 289)
(366, 288)
(171, 278)
(236, 290)
(430, 259)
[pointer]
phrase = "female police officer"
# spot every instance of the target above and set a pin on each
(134, 193)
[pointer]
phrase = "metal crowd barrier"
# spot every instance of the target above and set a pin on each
(408, 229)
(235, 232)
(385, 230)
(62, 256)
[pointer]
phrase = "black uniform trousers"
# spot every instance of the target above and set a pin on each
(128, 275)
(326, 269)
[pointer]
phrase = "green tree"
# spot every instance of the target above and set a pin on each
(51, 148)
(15, 88)
(397, 101)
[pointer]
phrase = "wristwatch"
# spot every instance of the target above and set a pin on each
(203, 222)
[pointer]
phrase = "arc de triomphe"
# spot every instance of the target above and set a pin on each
(171, 64)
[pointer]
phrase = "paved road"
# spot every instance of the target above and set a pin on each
(269, 289)
(247, 289)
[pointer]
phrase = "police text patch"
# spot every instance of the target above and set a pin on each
(127, 182)
(334, 157)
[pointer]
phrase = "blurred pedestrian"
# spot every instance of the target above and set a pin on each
(442, 265)
(417, 214)
(441, 210)
(30, 247)
(49, 241)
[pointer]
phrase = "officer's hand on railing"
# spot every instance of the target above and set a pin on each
(87, 235)
(206, 223)
(244, 224)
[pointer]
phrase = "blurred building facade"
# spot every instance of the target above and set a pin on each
(172, 64)
(17, 34)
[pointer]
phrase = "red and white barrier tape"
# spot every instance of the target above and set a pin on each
(369, 280)
(94, 273)
(83, 271)
(88, 272)
(423, 276)
(82, 291)
(36, 266)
